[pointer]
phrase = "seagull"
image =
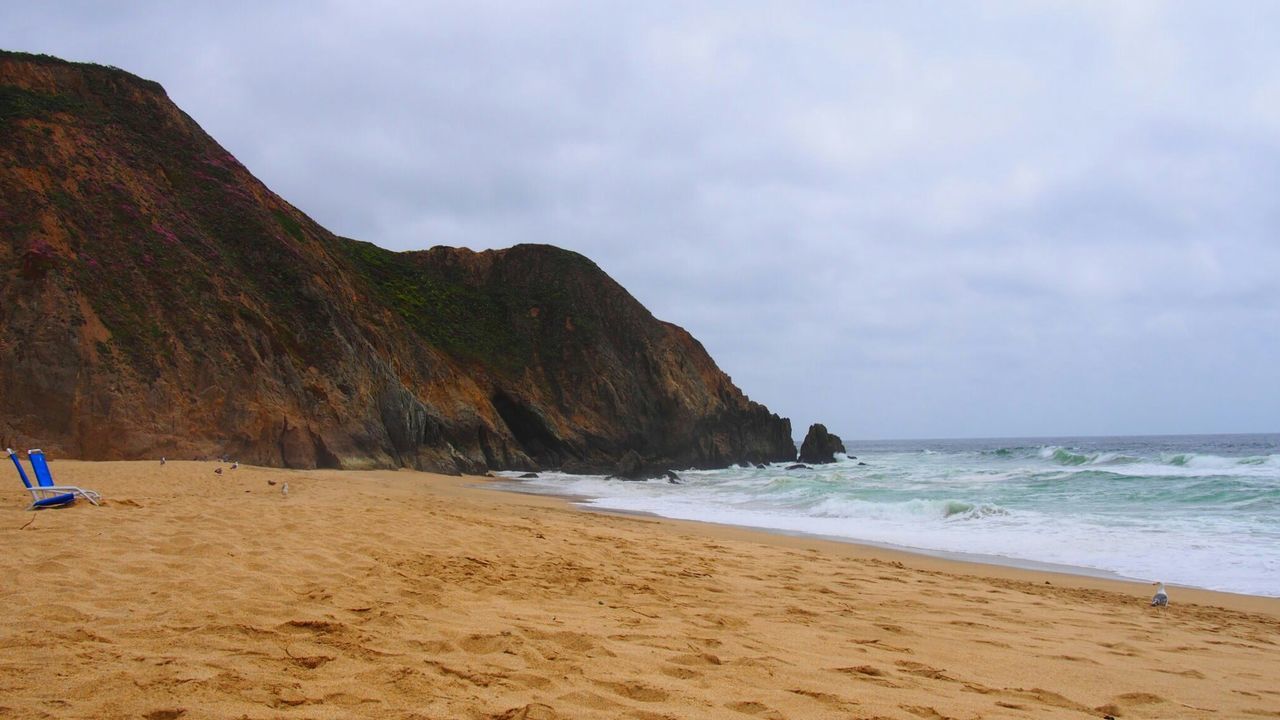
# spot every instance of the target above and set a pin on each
(1161, 598)
(284, 490)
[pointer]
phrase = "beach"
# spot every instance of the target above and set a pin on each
(387, 594)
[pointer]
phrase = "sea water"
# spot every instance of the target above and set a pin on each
(1190, 510)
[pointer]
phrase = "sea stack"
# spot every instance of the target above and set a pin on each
(820, 446)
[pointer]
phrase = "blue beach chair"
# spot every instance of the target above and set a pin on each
(45, 484)
(41, 498)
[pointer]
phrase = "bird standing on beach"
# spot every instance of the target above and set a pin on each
(1161, 598)
(284, 490)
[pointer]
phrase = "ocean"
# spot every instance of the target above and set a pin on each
(1200, 510)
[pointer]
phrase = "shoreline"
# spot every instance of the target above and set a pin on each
(967, 564)
(996, 563)
(375, 594)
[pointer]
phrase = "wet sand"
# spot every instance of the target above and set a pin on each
(408, 595)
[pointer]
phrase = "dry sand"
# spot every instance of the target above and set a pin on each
(406, 595)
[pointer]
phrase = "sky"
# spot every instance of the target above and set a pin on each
(900, 219)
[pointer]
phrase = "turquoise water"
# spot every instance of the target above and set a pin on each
(1189, 510)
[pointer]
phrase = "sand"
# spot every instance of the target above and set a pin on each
(407, 595)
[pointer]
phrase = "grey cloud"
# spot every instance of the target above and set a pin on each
(958, 219)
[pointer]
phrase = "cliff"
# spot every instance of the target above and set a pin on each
(158, 299)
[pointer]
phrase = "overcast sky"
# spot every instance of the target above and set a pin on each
(903, 219)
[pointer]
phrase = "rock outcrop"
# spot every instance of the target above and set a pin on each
(820, 446)
(158, 299)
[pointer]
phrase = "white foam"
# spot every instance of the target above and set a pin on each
(1175, 518)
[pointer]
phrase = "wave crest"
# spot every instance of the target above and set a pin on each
(956, 510)
(907, 511)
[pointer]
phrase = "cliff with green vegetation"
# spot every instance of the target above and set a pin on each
(158, 299)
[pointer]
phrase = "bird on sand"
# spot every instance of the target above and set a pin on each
(1161, 598)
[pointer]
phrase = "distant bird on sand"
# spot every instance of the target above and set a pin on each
(284, 489)
(162, 460)
(1161, 598)
(218, 471)
(235, 465)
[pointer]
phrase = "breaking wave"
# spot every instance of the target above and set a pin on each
(913, 510)
(1072, 458)
(1199, 511)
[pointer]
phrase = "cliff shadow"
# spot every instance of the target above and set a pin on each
(532, 431)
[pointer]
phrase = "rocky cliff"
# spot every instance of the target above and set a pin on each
(157, 299)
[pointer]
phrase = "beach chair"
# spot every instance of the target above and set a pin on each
(44, 479)
(40, 498)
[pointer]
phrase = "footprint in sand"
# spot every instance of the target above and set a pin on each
(483, 644)
(434, 647)
(1138, 698)
(751, 707)
(925, 711)
(1121, 649)
(592, 701)
(922, 670)
(637, 691)
(320, 627)
(1047, 697)
(1076, 658)
(680, 673)
(832, 701)
(310, 662)
(576, 642)
(722, 621)
(1193, 674)
(532, 711)
(289, 697)
(868, 673)
(695, 659)
(994, 643)
(348, 700)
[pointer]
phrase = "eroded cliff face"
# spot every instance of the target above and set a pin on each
(159, 300)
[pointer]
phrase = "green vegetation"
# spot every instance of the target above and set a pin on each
(290, 225)
(464, 320)
(192, 258)
(534, 304)
(90, 68)
(17, 103)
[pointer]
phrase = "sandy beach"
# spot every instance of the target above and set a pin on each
(408, 595)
